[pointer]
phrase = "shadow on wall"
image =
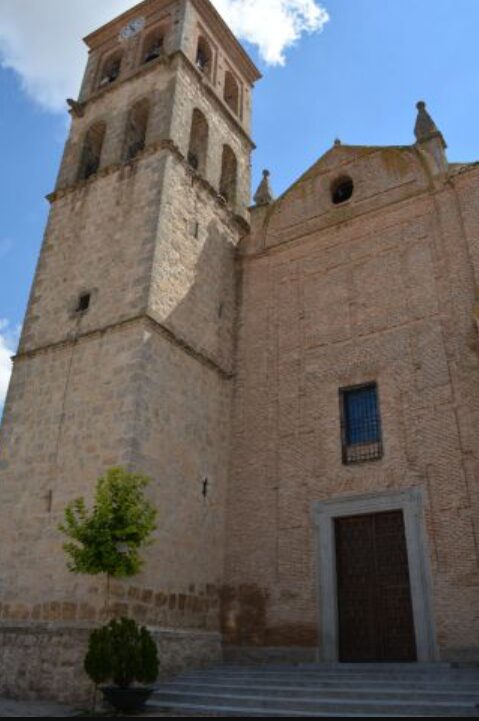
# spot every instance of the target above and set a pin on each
(202, 272)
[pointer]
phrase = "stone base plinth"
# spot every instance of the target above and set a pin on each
(46, 661)
(461, 656)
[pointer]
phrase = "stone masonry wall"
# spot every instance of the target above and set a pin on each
(47, 663)
(222, 61)
(100, 239)
(192, 92)
(193, 289)
(142, 379)
(155, 83)
(130, 396)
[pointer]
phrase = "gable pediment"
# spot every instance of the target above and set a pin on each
(379, 176)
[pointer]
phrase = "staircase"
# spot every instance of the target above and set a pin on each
(323, 690)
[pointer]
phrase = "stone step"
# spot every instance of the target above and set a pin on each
(407, 669)
(462, 685)
(251, 704)
(320, 691)
(346, 667)
(202, 710)
(451, 677)
(311, 690)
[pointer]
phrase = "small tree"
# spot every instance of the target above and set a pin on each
(107, 539)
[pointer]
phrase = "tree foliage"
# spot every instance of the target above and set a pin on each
(122, 652)
(107, 538)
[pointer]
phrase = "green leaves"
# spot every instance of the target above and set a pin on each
(107, 539)
(122, 652)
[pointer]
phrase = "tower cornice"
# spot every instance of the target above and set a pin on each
(237, 220)
(207, 12)
(144, 317)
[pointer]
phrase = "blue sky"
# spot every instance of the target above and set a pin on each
(358, 79)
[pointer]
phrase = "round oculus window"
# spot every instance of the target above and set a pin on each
(342, 190)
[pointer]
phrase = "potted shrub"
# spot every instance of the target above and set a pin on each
(123, 653)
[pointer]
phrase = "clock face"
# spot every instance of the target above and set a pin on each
(132, 29)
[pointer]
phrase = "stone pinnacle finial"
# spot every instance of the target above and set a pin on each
(264, 194)
(426, 128)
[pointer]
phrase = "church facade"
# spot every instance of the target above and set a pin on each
(300, 378)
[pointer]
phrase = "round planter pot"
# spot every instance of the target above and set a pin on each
(127, 700)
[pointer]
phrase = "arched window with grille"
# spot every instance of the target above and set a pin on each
(110, 69)
(136, 130)
(204, 57)
(229, 175)
(231, 92)
(91, 152)
(153, 47)
(198, 148)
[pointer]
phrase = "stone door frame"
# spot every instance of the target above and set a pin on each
(411, 503)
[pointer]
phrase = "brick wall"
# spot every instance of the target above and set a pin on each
(378, 289)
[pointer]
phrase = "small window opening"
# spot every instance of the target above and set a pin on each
(137, 126)
(91, 154)
(229, 174)
(204, 57)
(153, 47)
(83, 303)
(195, 229)
(198, 149)
(231, 93)
(342, 190)
(111, 70)
(360, 424)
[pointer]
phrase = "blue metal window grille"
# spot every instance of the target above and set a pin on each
(361, 425)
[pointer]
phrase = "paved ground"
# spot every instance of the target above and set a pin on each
(24, 709)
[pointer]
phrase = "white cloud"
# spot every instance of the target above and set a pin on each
(273, 25)
(41, 39)
(8, 341)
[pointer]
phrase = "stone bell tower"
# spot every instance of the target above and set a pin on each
(126, 351)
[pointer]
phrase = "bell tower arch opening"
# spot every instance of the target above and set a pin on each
(198, 148)
(136, 129)
(92, 150)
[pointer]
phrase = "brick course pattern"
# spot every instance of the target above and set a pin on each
(379, 289)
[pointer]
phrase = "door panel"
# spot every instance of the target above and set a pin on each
(374, 597)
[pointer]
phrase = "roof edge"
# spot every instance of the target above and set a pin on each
(90, 38)
(207, 11)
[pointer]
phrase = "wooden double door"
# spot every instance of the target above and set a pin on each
(374, 595)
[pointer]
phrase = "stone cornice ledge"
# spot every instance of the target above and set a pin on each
(165, 144)
(197, 353)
